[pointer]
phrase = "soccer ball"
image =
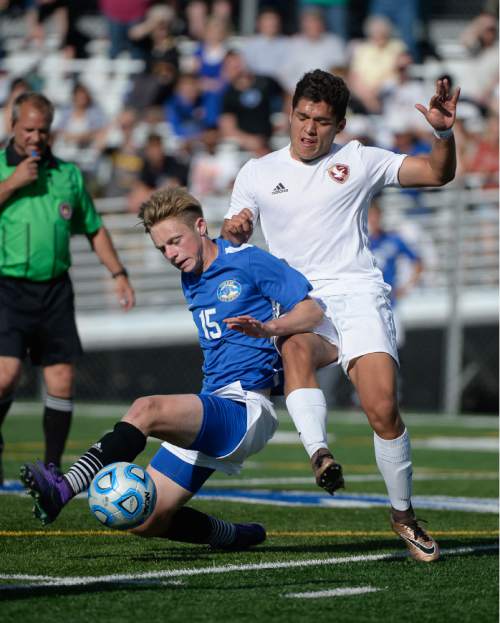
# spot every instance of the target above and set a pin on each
(122, 496)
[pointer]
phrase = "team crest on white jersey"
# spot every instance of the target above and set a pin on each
(228, 291)
(339, 172)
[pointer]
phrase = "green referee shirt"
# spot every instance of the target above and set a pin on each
(38, 220)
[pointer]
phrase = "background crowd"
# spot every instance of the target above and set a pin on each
(189, 97)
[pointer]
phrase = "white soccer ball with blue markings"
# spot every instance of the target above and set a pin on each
(122, 496)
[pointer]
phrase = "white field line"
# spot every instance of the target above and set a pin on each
(335, 592)
(186, 572)
(304, 480)
(56, 584)
(469, 444)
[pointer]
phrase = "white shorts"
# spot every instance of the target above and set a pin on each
(262, 423)
(357, 323)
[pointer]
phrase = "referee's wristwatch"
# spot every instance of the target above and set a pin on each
(120, 273)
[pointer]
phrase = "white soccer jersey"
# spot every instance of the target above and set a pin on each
(314, 215)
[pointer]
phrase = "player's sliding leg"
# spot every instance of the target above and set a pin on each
(200, 422)
(174, 418)
(374, 376)
(302, 356)
(52, 491)
(172, 520)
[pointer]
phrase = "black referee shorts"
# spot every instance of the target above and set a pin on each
(38, 318)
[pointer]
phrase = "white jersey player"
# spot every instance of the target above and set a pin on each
(312, 199)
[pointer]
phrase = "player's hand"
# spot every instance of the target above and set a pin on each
(124, 293)
(25, 172)
(239, 227)
(249, 326)
(442, 107)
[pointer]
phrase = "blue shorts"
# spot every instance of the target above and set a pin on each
(223, 426)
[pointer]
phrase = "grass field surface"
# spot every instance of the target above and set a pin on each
(324, 557)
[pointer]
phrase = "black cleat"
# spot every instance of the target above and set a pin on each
(327, 471)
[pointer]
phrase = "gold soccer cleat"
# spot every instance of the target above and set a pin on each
(422, 546)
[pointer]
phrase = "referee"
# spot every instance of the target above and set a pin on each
(43, 202)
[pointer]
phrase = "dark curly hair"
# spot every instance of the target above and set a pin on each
(321, 86)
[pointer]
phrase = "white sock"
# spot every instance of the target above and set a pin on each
(393, 458)
(307, 408)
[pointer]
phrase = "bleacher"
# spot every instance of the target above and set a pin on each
(457, 237)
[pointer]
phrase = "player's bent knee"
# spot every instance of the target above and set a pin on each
(7, 387)
(383, 414)
(9, 377)
(142, 413)
(296, 351)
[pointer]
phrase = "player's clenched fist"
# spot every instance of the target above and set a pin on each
(239, 227)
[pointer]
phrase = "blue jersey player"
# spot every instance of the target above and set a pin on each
(388, 247)
(230, 292)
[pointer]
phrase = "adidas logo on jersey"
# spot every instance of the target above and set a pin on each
(279, 189)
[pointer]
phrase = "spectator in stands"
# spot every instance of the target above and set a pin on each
(335, 13)
(480, 34)
(214, 166)
(73, 40)
(266, 52)
(155, 35)
(373, 62)
(224, 10)
(311, 47)
(38, 11)
(159, 170)
(208, 61)
(121, 16)
(155, 85)
(196, 17)
(479, 77)
(184, 111)
(121, 161)
(399, 94)
(482, 157)
(43, 203)
(79, 124)
(17, 86)
(246, 109)
(405, 16)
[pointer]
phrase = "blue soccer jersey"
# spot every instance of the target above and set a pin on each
(241, 280)
(387, 248)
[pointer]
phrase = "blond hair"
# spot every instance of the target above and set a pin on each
(170, 203)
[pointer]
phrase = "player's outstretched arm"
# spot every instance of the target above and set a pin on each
(301, 319)
(238, 228)
(438, 168)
